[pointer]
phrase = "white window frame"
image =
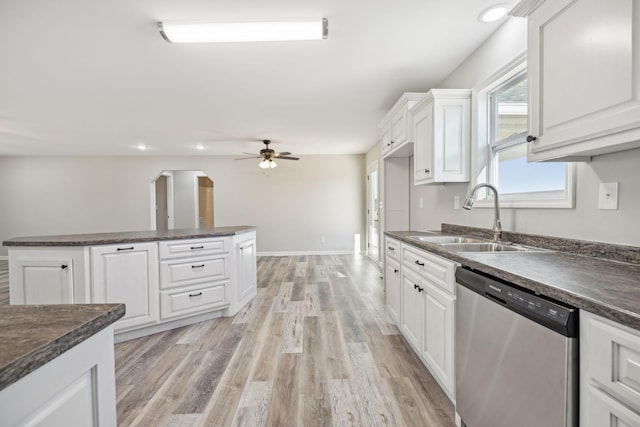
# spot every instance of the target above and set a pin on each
(482, 154)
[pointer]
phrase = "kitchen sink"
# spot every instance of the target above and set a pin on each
(446, 239)
(487, 247)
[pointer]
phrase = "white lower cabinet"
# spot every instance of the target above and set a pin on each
(438, 334)
(245, 272)
(609, 373)
(427, 309)
(76, 389)
(392, 288)
(192, 300)
(411, 315)
(47, 276)
(128, 274)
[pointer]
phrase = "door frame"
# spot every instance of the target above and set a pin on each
(371, 168)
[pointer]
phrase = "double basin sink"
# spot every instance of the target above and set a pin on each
(471, 244)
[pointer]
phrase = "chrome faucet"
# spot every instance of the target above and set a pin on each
(468, 204)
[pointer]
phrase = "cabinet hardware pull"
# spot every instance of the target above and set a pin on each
(130, 248)
(64, 266)
(391, 248)
(197, 266)
(421, 264)
(241, 248)
(393, 142)
(197, 294)
(395, 271)
(420, 289)
(426, 171)
(415, 286)
(196, 247)
(531, 138)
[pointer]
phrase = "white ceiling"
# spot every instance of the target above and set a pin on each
(81, 77)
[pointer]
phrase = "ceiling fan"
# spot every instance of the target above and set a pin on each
(267, 155)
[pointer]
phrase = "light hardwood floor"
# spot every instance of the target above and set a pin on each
(312, 349)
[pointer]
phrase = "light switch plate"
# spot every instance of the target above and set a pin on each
(608, 196)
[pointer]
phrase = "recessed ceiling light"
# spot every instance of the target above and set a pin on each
(141, 147)
(251, 31)
(199, 147)
(493, 13)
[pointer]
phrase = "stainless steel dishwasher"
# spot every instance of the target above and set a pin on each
(516, 356)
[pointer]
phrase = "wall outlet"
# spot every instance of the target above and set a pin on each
(456, 202)
(608, 196)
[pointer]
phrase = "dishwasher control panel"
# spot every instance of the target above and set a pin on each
(527, 301)
(542, 310)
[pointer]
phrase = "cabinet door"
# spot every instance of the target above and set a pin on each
(584, 76)
(386, 140)
(43, 281)
(437, 340)
(412, 309)
(423, 144)
(128, 274)
(392, 289)
(452, 137)
(246, 261)
(399, 127)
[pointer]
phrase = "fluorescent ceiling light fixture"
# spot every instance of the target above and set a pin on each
(493, 13)
(222, 32)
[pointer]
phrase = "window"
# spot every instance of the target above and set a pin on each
(502, 131)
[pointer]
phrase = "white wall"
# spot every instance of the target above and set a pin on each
(586, 221)
(185, 196)
(293, 206)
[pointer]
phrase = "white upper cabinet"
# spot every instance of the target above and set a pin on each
(396, 131)
(441, 124)
(584, 77)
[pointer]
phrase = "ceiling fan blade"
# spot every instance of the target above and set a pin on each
(288, 158)
(248, 158)
(284, 153)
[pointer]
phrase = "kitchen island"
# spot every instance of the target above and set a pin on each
(167, 278)
(57, 365)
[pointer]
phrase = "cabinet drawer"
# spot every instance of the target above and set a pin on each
(439, 271)
(392, 249)
(193, 247)
(180, 302)
(183, 272)
(604, 411)
(613, 358)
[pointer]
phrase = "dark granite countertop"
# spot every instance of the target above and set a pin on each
(605, 287)
(33, 335)
(127, 237)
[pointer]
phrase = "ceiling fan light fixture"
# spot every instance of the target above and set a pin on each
(267, 164)
(250, 31)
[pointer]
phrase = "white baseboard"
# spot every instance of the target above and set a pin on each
(295, 253)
